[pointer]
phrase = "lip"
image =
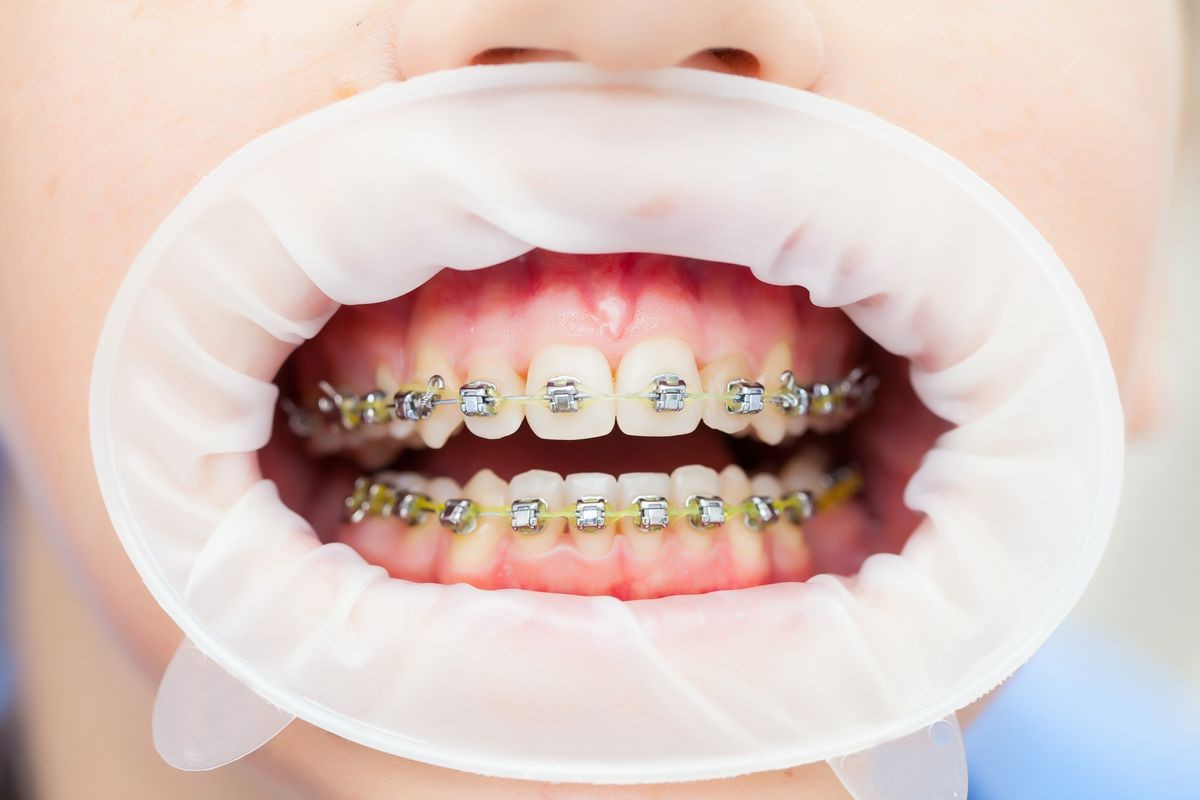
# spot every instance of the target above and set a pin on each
(1021, 487)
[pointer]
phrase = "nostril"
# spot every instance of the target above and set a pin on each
(726, 59)
(519, 55)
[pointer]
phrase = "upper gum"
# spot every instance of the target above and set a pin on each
(509, 326)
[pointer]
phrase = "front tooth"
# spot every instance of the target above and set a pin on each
(469, 553)
(593, 543)
(445, 419)
(715, 378)
(630, 486)
(770, 424)
(544, 485)
(640, 364)
(508, 415)
(747, 544)
(590, 369)
(685, 482)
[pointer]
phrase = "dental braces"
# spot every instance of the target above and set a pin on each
(666, 392)
(382, 497)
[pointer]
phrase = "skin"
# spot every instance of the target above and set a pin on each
(113, 110)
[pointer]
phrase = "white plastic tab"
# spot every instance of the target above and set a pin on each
(930, 764)
(204, 718)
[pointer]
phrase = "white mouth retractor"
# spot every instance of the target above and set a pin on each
(366, 199)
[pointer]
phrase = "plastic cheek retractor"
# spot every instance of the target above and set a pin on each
(366, 199)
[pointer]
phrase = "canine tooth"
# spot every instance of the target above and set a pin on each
(715, 377)
(631, 486)
(593, 543)
(446, 419)
(508, 416)
(589, 367)
(771, 424)
(548, 486)
(470, 553)
(639, 366)
(385, 379)
(747, 544)
(686, 482)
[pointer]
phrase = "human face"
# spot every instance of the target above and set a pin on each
(115, 110)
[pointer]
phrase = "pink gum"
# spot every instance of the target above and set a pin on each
(834, 543)
(611, 302)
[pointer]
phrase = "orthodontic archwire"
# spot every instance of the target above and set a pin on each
(384, 497)
(666, 392)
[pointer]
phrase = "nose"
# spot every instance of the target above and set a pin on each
(777, 40)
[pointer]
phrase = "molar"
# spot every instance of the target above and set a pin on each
(630, 486)
(508, 415)
(797, 426)
(548, 486)
(593, 543)
(685, 482)
(805, 471)
(473, 552)
(715, 378)
(588, 366)
(640, 364)
(445, 420)
(374, 452)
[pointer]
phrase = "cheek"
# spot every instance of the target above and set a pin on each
(1076, 128)
(97, 145)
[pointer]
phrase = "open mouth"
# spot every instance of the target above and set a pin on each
(620, 424)
(959, 447)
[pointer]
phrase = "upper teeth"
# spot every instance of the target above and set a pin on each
(564, 394)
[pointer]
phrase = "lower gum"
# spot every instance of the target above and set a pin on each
(836, 544)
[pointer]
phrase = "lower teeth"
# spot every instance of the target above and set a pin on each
(380, 497)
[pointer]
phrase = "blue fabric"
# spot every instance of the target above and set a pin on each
(1086, 718)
